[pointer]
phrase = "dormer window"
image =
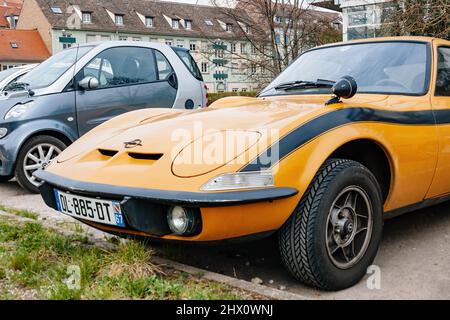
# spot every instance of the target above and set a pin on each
(278, 19)
(176, 23)
(188, 24)
(119, 19)
(56, 10)
(86, 17)
(209, 23)
(14, 45)
(229, 27)
(149, 22)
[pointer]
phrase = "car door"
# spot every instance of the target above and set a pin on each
(441, 106)
(128, 78)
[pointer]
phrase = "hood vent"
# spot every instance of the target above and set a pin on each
(146, 156)
(108, 153)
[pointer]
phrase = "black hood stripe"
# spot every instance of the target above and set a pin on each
(315, 127)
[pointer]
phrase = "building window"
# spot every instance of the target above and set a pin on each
(253, 68)
(254, 51)
(67, 46)
(119, 19)
(235, 90)
(14, 45)
(193, 46)
(277, 39)
(243, 48)
(209, 23)
(149, 22)
(175, 23)
(205, 67)
(244, 89)
(233, 48)
(87, 17)
(169, 42)
(56, 10)
(188, 24)
(123, 38)
(180, 43)
(137, 39)
(229, 27)
(278, 19)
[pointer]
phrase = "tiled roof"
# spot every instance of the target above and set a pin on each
(101, 21)
(30, 47)
(9, 8)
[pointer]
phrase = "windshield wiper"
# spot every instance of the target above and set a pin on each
(17, 86)
(301, 84)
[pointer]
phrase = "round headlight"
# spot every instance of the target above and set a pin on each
(3, 132)
(184, 221)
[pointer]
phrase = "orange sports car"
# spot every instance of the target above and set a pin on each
(349, 134)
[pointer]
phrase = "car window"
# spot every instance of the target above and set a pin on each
(164, 67)
(190, 63)
(122, 66)
(379, 67)
(443, 73)
(50, 70)
(5, 74)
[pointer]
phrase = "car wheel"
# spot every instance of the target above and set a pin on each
(37, 153)
(334, 233)
(5, 178)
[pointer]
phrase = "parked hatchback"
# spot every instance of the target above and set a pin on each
(82, 87)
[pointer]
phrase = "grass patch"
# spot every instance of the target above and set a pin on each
(54, 266)
(19, 212)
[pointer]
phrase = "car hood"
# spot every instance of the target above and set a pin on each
(157, 147)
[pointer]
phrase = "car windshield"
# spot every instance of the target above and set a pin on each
(5, 74)
(50, 70)
(378, 67)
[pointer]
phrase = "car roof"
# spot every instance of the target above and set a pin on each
(112, 44)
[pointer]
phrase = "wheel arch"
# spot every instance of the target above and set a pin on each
(374, 156)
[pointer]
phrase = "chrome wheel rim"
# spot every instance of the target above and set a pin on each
(38, 158)
(349, 227)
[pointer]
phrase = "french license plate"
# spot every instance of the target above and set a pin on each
(95, 210)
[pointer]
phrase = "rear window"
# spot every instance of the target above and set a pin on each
(190, 63)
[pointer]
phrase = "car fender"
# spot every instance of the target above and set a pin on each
(14, 142)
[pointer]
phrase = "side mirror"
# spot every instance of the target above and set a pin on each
(345, 88)
(89, 83)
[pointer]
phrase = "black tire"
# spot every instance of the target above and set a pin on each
(5, 178)
(20, 173)
(302, 240)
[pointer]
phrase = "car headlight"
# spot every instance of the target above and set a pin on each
(3, 132)
(184, 221)
(18, 110)
(240, 180)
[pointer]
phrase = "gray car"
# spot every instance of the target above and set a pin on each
(82, 87)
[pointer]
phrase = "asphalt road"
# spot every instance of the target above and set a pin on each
(413, 261)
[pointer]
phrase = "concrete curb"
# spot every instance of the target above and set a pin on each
(261, 290)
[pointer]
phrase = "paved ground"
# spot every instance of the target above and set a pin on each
(414, 258)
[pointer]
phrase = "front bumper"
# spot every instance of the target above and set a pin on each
(145, 209)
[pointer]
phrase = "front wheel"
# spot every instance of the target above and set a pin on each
(36, 154)
(334, 234)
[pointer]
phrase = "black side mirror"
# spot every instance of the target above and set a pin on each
(345, 88)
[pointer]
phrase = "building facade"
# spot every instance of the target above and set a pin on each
(20, 47)
(216, 42)
(361, 18)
